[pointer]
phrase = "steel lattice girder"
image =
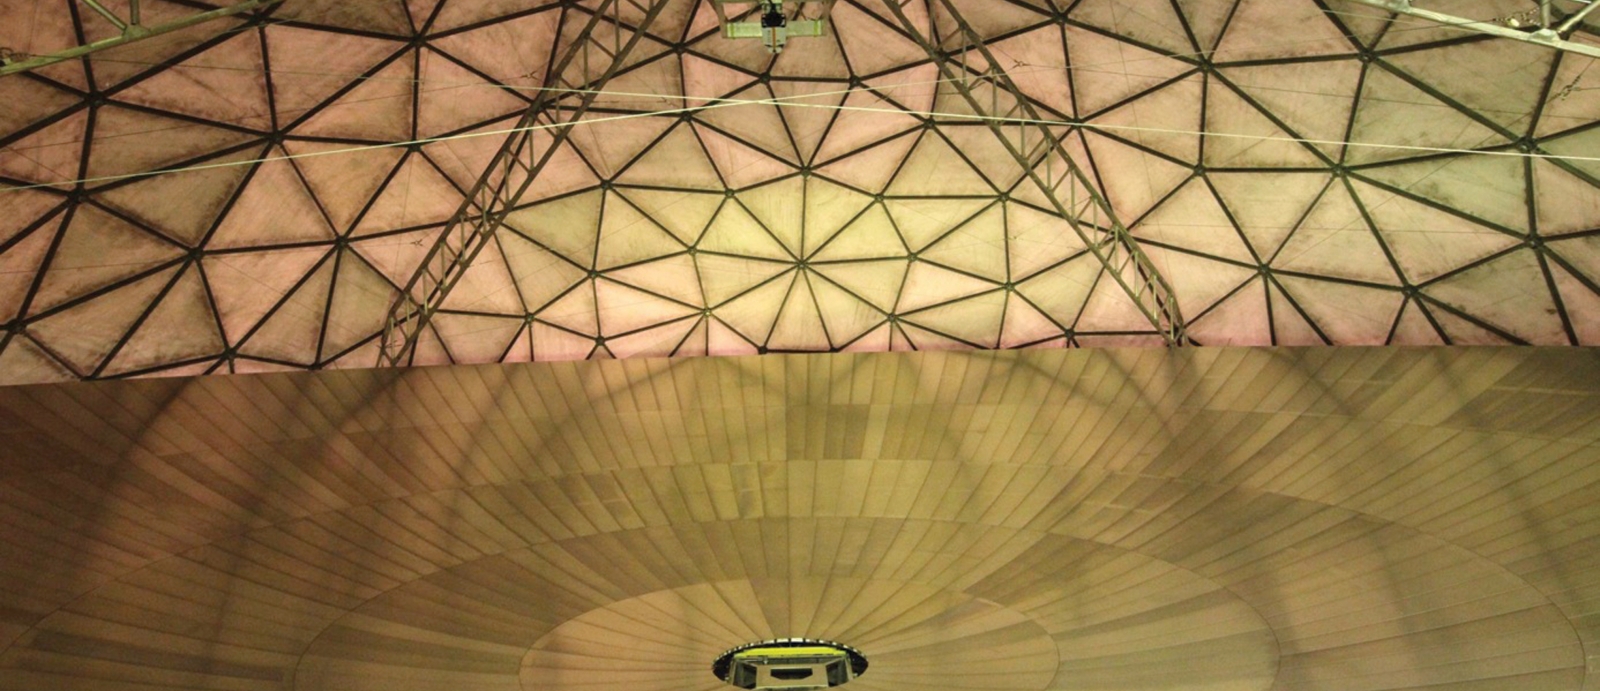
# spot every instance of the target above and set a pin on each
(132, 30)
(1115, 248)
(1547, 35)
(508, 176)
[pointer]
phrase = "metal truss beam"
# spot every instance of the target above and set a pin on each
(1542, 29)
(1029, 139)
(537, 135)
(133, 29)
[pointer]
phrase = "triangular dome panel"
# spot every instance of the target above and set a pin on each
(1238, 319)
(1192, 219)
(865, 120)
(1113, 70)
(975, 320)
(676, 277)
(1290, 326)
(628, 237)
(1395, 119)
(927, 285)
(273, 208)
(780, 207)
(799, 325)
(1334, 240)
(1025, 325)
(539, 274)
(1268, 207)
(1163, 120)
(1510, 292)
(95, 250)
(1316, 32)
(870, 170)
(624, 310)
(85, 334)
(846, 316)
(1241, 136)
(359, 305)
(475, 338)
(19, 267)
(1155, 22)
(676, 160)
(294, 328)
(378, 108)
(828, 208)
(308, 67)
(1317, 109)
(210, 85)
(485, 287)
(448, 108)
(684, 214)
(569, 226)
(24, 362)
(1413, 328)
(977, 247)
(877, 283)
(1501, 80)
(662, 341)
(740, 165)
(1427, 242)
(1492, 188)
(131, 141)
(417, 195)
(808, 110)
(754, 313)
(754, 121)
(1037, 240)
(180, 327)
(1565, 202)
(574, 311)
(1347, 314)
(205, 192)
(936, 168)
(871, 235)
(734, 231)
(246, 285)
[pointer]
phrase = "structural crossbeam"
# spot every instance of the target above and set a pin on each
(998, 102)
(1542, 31)
(533, 142)
(131, 29)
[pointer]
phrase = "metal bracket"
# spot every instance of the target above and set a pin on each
(1027, 137)
(1538, 28)
(132, 28)
(510, 173)
(774, 24)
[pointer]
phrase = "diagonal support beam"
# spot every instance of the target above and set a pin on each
(132, 30)
(996, 100)
(1547, 36)
(533, 142)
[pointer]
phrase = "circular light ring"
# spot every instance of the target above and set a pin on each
(723, 667)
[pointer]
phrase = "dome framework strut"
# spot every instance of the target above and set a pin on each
(997, 100)
(132, 29)
(1541, 29)
(533, 142)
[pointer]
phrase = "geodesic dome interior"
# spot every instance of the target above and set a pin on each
(1300, 172)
